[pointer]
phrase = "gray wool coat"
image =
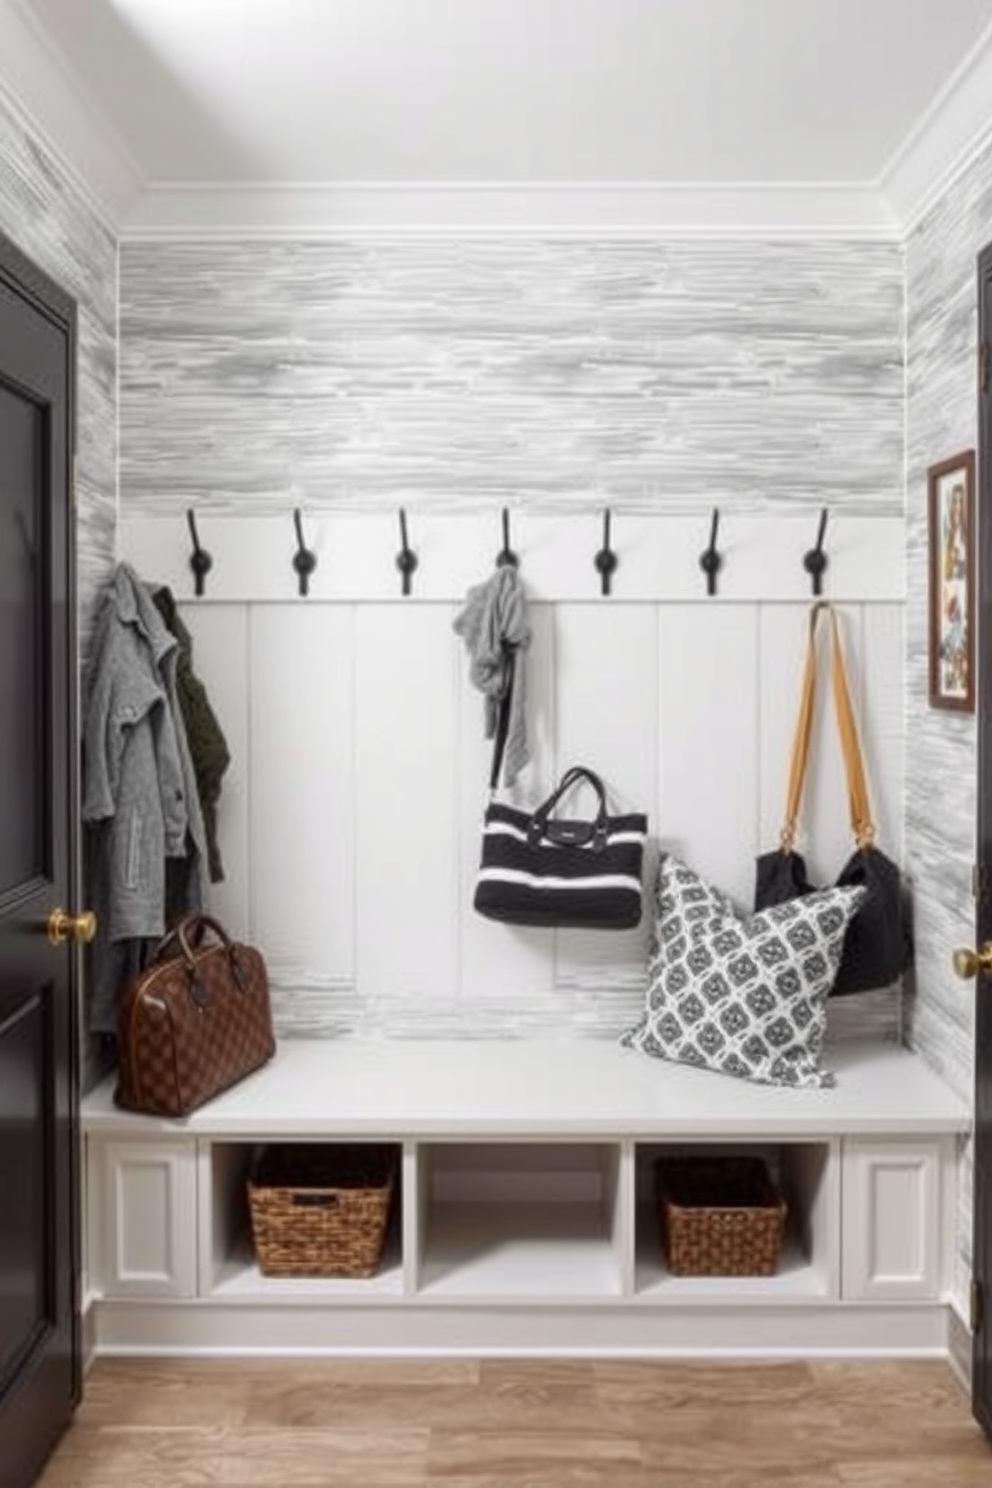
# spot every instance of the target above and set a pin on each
(146, 849)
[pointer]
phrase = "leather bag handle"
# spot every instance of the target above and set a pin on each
(541, 824)
(202, 923)
(195, 923)
(199, 924)
(857, 789)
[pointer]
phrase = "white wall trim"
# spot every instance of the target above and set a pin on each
(944, 141)
(658, 555)
(563, 208)
(44, 93)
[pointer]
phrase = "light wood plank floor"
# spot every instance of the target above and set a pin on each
(465, 1424)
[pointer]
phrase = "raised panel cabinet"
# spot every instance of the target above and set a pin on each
(148, 1210)
(893, 1203)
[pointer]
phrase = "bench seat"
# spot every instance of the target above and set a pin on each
(530, 1088)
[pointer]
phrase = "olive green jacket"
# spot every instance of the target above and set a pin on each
(207, 745)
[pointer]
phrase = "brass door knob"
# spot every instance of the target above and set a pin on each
(63, 927)
(968, 963)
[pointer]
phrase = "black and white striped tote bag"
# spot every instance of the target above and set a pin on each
(540, 869)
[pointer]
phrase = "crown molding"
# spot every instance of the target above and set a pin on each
(41, 89)
(40, 86)
(945, 140)
(170, 211)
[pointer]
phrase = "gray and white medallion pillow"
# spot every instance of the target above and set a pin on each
(741, 994)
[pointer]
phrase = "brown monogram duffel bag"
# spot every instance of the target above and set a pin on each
(194, 1022)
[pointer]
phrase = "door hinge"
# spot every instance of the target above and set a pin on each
(979, 881)
(983, 366)
(977, 1307)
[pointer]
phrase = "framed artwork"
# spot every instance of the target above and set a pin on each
(951, 557)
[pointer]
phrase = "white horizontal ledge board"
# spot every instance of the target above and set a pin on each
(546, 1088)
(658, 557)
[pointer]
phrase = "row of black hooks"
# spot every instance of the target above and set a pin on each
(606, 561)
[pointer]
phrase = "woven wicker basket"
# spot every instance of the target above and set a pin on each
(720, 1216)
(321, 1211)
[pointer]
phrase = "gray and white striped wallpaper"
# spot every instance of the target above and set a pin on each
(46, 215)
(548, 374)
(941, 760)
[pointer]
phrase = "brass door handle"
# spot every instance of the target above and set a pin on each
(968, 963)
(63, 927)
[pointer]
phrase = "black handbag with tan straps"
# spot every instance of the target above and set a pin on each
(878, 946)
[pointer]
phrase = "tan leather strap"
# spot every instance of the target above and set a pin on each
(862, 825)
(857, 789)
(801, 742)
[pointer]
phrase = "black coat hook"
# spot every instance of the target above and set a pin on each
(304, 559)
(815, 561)
(711, 561)
(606, 560)
(506, 555)
(406, 558)
(200, 560)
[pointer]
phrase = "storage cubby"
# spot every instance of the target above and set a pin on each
(804, 1173)
(520, 1219)
(228, 1266)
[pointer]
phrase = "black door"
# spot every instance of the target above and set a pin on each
(982, 1351)
(39, 1221)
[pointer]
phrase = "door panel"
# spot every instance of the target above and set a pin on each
(38, 982)
(21, 730)
(25, 1135)
(982, 1258)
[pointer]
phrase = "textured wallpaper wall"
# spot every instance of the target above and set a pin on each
(942, 314)
(547, 373)
(46, 215)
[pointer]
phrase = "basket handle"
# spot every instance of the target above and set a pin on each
(315, 1201)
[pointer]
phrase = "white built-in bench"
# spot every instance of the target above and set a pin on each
(526, 1221)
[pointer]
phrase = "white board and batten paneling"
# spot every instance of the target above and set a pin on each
(350, 816)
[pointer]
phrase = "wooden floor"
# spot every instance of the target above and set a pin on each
(464, 1424)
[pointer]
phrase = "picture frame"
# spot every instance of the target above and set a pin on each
(951, 582)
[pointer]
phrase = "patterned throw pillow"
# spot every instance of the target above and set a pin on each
(741, 994)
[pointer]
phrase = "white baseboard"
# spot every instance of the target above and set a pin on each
(959, 1348)
(604, 1331)
(88, 1336)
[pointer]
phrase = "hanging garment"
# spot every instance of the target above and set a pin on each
(145, 844)
(207, 745)
(493, 625)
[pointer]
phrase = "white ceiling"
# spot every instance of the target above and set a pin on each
(644, 112)
(514, 90)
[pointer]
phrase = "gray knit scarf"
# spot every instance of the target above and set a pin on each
(493, 625)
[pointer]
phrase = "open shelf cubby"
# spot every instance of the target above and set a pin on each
(520, 1219)
(808, 1263)
(229, 1264)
